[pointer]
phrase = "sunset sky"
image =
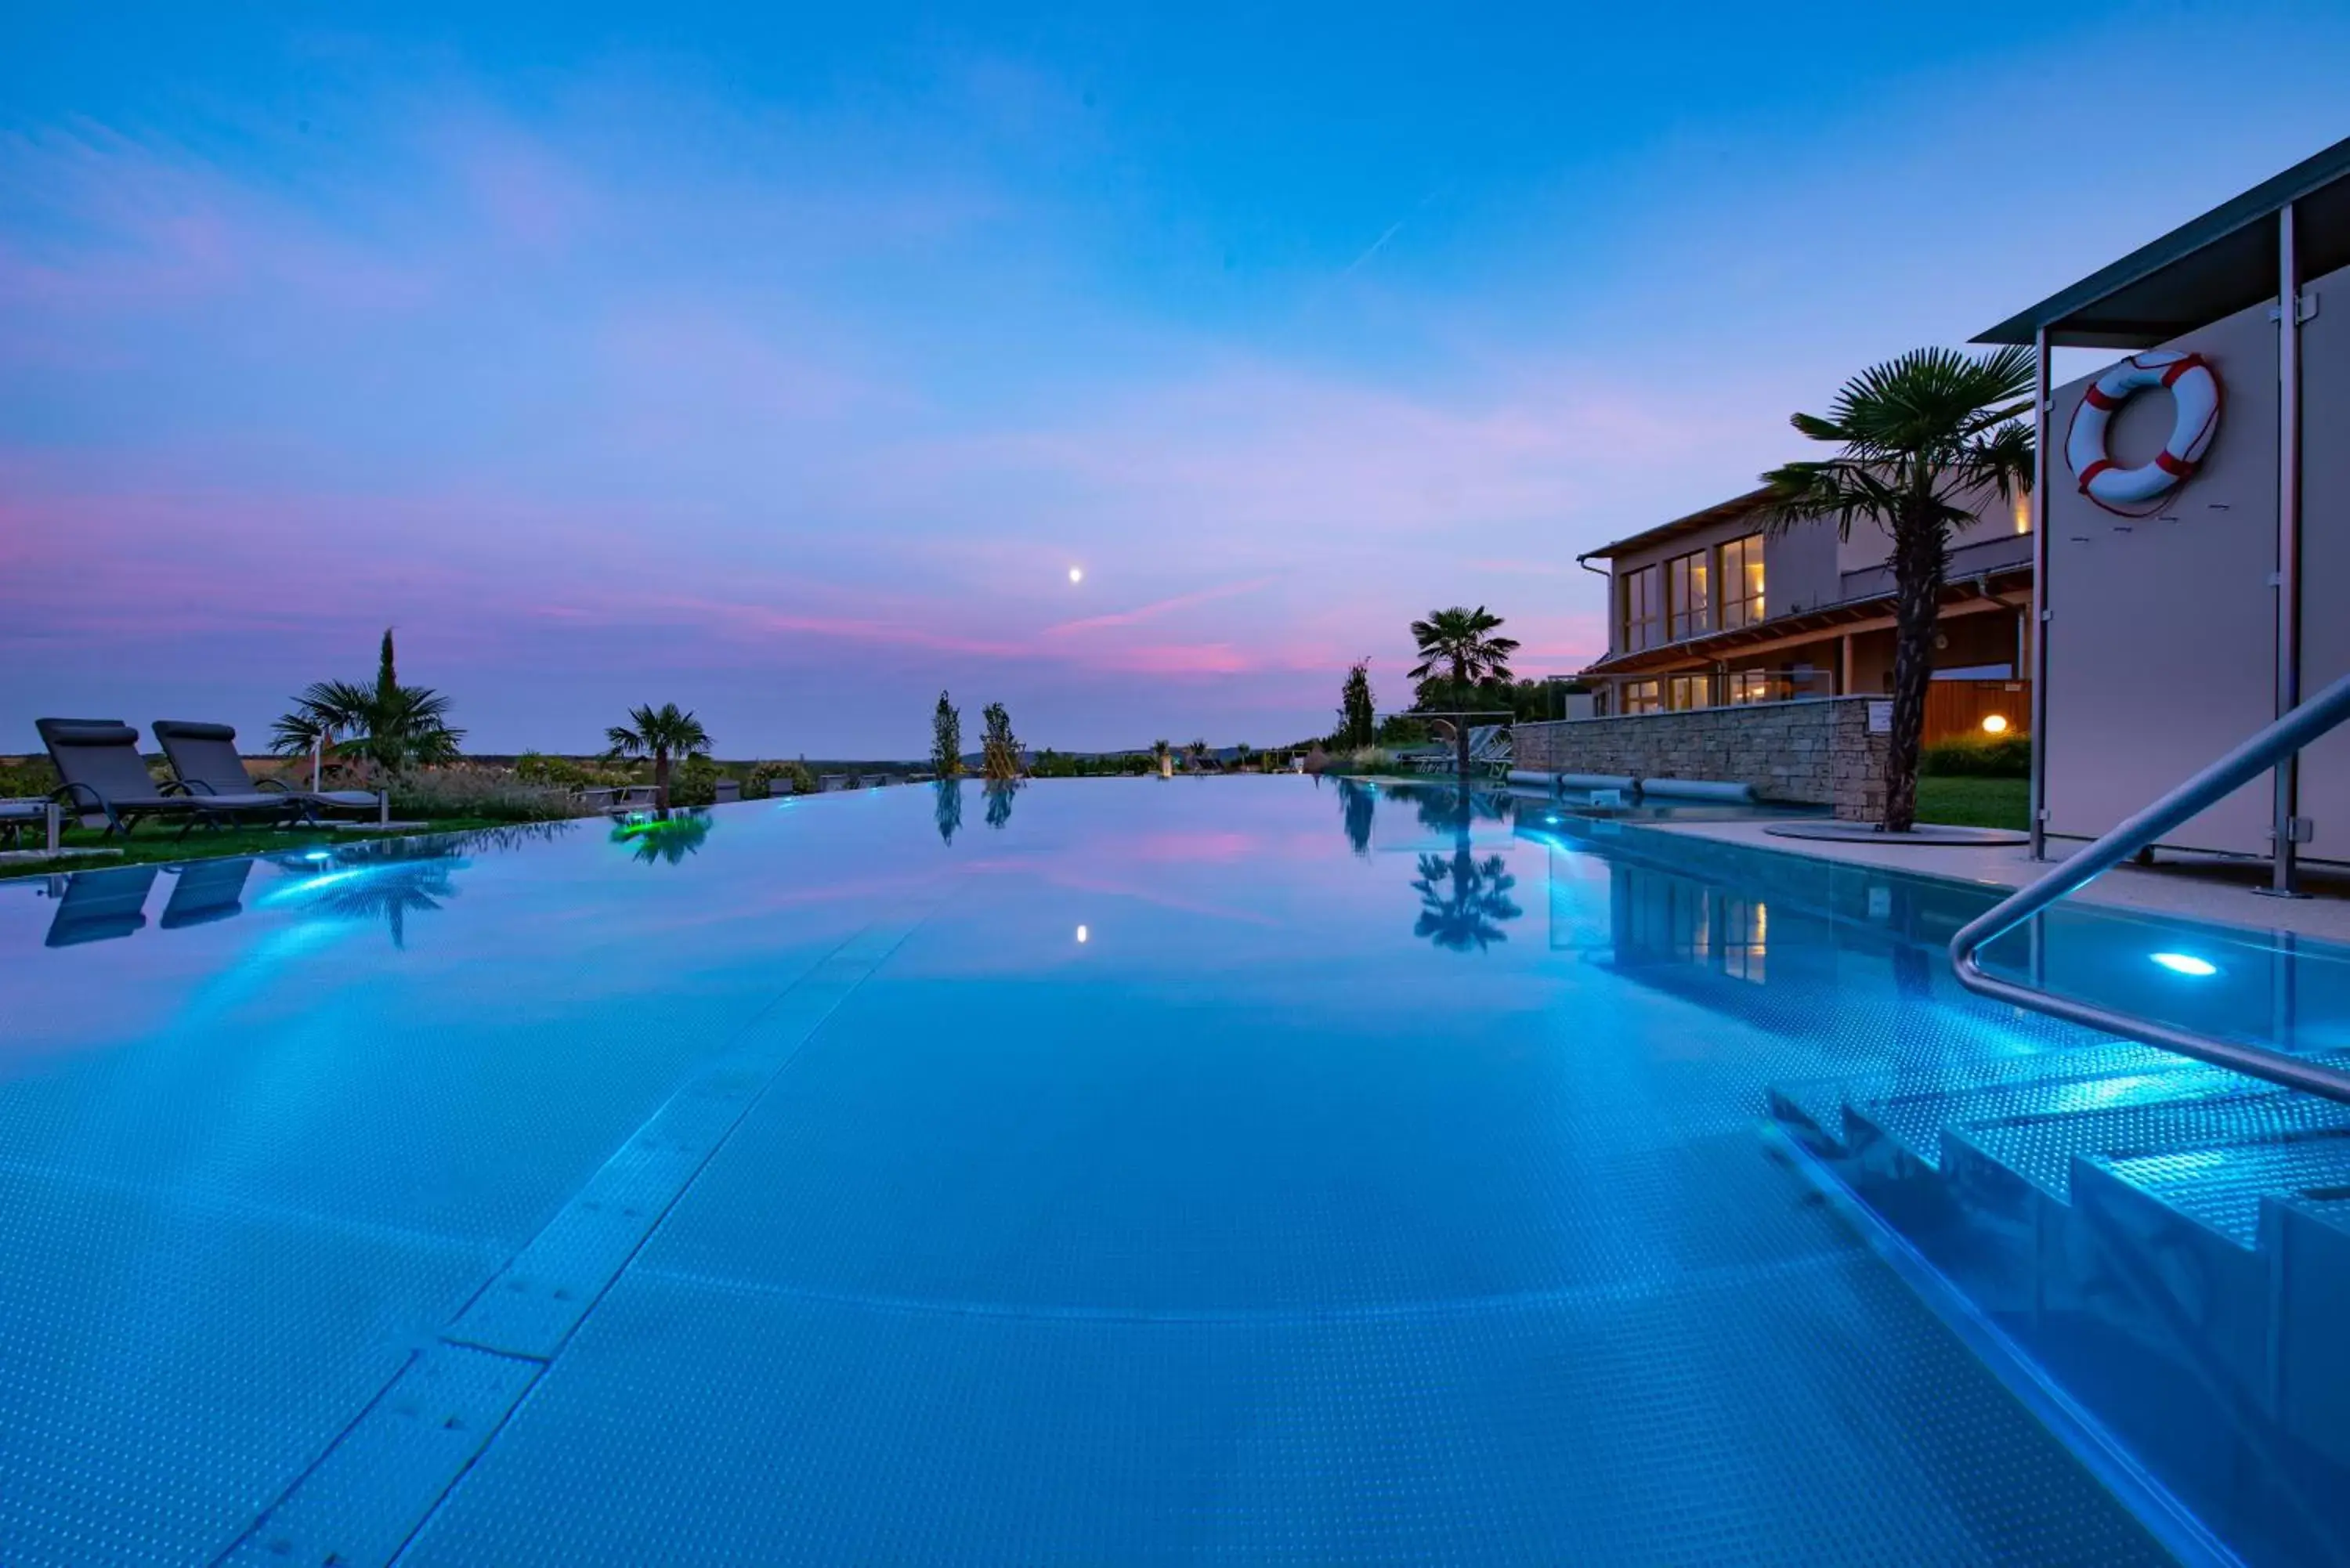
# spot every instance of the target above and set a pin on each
(782, 364)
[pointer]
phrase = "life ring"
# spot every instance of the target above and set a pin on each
(2195, 396)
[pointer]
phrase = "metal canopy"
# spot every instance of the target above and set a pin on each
(2198, 273)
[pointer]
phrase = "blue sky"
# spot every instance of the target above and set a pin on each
(781, 361)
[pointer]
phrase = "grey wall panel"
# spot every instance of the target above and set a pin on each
(2162, 648)
(1799, 568)
(2325, 552)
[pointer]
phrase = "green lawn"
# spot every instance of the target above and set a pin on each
(1975, 802)
(154, 841)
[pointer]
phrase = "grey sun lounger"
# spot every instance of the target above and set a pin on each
(204, 758)
(104, 779)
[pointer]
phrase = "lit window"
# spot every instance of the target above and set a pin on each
(1747, 686)
(1686, 594)
(1643, 610)
(1640, 697)
(1741, 582)
(1689, 692)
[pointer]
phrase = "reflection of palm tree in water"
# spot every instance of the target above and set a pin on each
(1464, 901)
(395, 877)
(390, 888)
(664, 840)
(999, 802)
(1358, 803)
(950, 809)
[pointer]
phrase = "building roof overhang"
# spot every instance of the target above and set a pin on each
(2201, 271)
(1664, 532)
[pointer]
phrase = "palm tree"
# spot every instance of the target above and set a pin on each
(1922, 437)
(661, 733)
(1461, 642)
(388, 724)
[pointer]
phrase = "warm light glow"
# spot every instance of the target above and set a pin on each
(1076, 574)
(2022, 512)
(1081, 933)
(1994, 724)
(2187, 963)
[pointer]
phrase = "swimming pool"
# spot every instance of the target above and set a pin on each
(1245, 1170)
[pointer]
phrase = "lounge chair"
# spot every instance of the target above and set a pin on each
(204, 758)
(728, 791)
(207, 891)
(827, 783)
(106, 780)
(99, 906)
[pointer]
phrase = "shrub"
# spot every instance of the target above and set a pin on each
(1979, 757)
(26, 776)
(489, 795)
(695, 782)
(794, 778)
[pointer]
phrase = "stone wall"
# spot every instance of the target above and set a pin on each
(1817, 751)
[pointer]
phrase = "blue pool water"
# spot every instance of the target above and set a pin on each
(1248, 1170)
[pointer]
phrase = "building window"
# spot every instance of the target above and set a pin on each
(1686, 595)
(1741, 582)
(1747, 686)
(1689, 692)
(1643, 610)
(1640, 695)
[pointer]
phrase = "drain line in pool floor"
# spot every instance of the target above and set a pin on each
(366, 1497)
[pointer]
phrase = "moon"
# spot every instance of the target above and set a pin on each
(1076, 574)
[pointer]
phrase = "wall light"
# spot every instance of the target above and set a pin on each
(1995, 723)
(2187, 963)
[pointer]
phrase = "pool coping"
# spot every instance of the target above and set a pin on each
(2175, 894)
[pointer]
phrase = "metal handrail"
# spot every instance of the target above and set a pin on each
(2247, 762)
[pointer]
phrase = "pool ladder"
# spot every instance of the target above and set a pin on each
(2248, 761)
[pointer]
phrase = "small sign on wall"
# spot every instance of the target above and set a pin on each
(1880, 717)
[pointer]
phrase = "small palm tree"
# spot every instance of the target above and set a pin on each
(661, 733)
(1162, 755)
(1458, 643)
(388, 724)
(1923, 436)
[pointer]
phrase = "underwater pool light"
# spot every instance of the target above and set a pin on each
(2187, 963)
(316, 855)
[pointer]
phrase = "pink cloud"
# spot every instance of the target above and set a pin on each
(1162, 606)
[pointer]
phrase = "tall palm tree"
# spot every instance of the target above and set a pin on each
(1459, 643)
(389, 724)
(1926, 440)
(660, 734)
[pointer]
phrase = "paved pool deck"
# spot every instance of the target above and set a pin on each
(2196, 888)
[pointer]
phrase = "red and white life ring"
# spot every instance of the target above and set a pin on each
(2194, 394)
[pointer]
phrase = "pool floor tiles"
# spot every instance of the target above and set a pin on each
(702, 1422)
(166, 1366)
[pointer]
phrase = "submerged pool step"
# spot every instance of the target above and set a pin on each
(2220, 1187)
(2043, 1148)
(1917, 1123)
(1819, 1106)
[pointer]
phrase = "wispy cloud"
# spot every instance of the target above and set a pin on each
(1159, 607)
